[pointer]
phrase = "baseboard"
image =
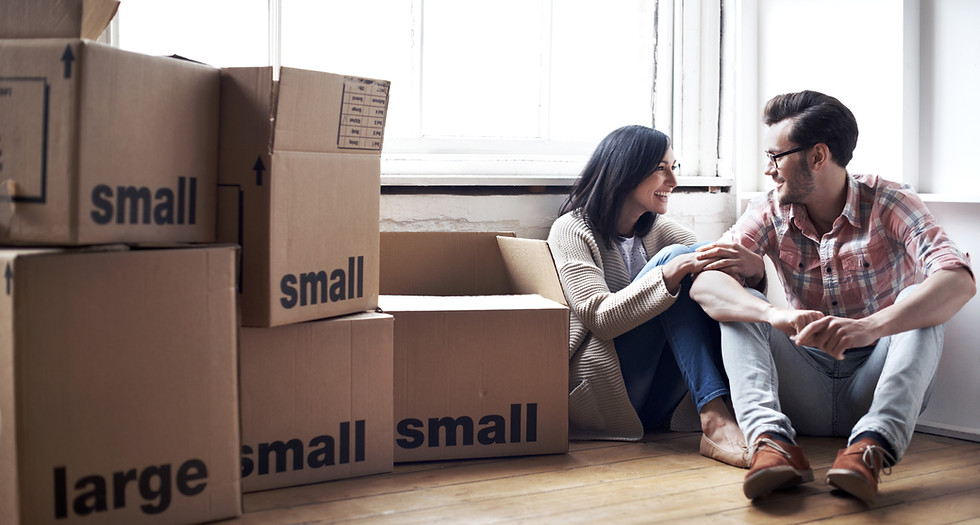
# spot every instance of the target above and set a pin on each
(948, 431)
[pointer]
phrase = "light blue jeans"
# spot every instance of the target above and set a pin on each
(656, 380)
(780, 387)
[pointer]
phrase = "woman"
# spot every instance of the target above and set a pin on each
(638, 341)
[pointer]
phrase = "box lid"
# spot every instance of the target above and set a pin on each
(531, 267)
(55, 18)
(304, 111)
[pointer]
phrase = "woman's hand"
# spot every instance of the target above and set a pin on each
(679, 267)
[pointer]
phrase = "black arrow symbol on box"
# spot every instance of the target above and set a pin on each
(68, 57)
(259, 168)
(8, 275)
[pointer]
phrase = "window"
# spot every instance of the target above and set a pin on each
(479, 89)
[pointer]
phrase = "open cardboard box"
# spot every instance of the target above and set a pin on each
(119, 386)
(481, 362)
(300, 191)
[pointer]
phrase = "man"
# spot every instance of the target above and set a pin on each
(871, 279)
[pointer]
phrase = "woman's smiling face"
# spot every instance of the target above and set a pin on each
(652, 194)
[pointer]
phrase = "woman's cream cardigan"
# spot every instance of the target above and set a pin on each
(604, 304)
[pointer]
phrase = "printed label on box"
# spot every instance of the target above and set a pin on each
(362, 114)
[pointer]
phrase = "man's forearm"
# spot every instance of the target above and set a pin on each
(934, 302)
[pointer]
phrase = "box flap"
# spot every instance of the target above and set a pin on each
(531, 267)
(96, 15)
(325, 112)
(247, 102)
(56, 18)
(442, 263)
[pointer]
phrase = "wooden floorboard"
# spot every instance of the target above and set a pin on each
(660, 480)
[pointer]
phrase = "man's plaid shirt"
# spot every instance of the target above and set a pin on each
(884, 241)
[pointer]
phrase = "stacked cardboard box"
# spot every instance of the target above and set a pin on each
(316, 401)
(101, 145)
(299, 191)
(103, 151)
(300, 187)
(118, 380)
(118, 391)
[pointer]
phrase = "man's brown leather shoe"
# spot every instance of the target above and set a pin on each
(858, 468)
(775, 465)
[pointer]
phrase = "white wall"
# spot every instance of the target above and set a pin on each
(849, 49)
(950, 96)
(949, 113)
(530, 215)
(953, 407)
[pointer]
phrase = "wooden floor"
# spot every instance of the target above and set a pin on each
(663, 479)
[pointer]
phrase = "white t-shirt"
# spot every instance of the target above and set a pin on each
(634, 254)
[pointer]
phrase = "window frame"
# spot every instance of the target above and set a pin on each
(691, 88)
(686, 103)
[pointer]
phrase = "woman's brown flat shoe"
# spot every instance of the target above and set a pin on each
(736, 456)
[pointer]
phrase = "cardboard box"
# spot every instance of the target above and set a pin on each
(316, 401)
(481, 369)
(55, 18)
(300, 191)
(100, 145)
(118, 386)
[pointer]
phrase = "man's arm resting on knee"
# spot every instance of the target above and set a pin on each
(932, 303)
(724, 299)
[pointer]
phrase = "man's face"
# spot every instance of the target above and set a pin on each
(793, 178)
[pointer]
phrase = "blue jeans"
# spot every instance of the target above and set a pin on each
(780, 387)
(657, 380)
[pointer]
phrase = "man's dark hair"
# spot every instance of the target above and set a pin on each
(619, 164)
(817, 118)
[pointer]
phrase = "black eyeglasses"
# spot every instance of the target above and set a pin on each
(773, 157)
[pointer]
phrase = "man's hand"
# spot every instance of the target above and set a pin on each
(734, 259)
(834, 335)
(791, 322)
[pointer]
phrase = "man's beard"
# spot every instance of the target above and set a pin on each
(801, 187)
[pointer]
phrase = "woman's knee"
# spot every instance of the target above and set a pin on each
(670, 252)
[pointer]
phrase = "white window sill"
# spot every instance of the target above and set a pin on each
(949, 197)
(496, 170)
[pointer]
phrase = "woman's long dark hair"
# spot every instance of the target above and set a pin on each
(619, 164)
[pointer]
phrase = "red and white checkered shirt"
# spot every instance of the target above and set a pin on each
(884, 241)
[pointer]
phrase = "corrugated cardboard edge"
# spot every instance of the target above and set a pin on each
(9, 458)
(531, 267)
